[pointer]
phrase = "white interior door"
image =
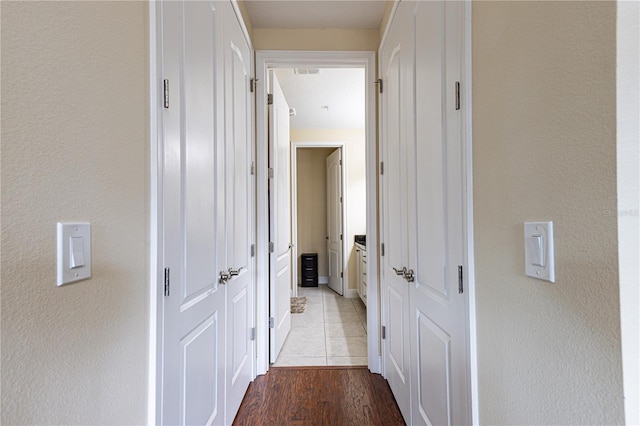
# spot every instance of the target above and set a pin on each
(279, 218)
(396, 60)
(193, 333)
(334, 221)
(239, 207)
(438, 311)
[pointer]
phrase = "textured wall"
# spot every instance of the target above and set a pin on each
(356, 197)
(544, 140)
(312, 204)
(74, 147)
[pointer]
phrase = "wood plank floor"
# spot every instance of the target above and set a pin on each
(319, 396)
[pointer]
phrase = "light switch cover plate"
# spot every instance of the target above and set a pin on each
(74, 252)
(538, 250)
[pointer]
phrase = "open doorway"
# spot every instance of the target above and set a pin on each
(356, 146)
(326, 130)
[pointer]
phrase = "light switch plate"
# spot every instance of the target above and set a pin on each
(74, 252)
(538, 250)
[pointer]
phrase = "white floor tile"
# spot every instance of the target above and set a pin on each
(346, 346)
(347, 360)
(345, 329)
(304, 361)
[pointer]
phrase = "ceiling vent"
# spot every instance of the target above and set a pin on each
(305, 71)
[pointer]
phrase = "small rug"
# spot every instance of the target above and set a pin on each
(298, 304)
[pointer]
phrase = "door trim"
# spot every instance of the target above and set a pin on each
(276, 58)
(294, 210)
(154, 387)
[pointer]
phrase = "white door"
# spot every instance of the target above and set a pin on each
(193, 312)
(334, 221)
(438, 311)
(279, 218)
(239, 205)
(396, 62)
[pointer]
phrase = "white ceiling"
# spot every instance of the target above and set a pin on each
(339, 89)
(316, 14)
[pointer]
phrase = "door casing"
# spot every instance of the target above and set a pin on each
(290, 59)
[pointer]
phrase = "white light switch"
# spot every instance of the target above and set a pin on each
(538, 250)
(74, 252)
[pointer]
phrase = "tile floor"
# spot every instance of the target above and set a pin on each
(331, 331)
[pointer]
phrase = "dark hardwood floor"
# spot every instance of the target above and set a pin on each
(319, 396)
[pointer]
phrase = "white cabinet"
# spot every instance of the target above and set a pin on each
(361, 271)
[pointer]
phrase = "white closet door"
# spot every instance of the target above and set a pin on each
(280, 218)
(194, 307)
(239, 223)
(396, 67)
(334, 221)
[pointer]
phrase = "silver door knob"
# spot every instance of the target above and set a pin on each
(234, 272)
(409, 275)
(400, 271)
(224, 277)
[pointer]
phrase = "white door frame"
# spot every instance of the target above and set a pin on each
(290, 59)
(294, 209)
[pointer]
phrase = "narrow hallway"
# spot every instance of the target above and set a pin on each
(319, 395)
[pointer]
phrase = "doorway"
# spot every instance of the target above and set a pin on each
(267, 61)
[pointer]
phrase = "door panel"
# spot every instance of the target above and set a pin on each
(280, 218)
(334, 221)
(200, 381)
(194, 308)
(433, 383)
(239, 223)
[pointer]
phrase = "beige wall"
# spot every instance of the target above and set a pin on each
(355, 181)
(74, 147)
(312, 204)
(544, 141)
(315, 39)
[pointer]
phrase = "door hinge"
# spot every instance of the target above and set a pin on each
(252, 335)
(271, 248)
(382, 167)
(379, 83)
(253, 84)
(167, 281)
(270, 173)
(457, 95)
(341, 162)
(384, 332)
(460, 280)
(166, 93)
(252, 168)
(340, 199)
(341, 274)
(253, 250)
(269, 99)
(340, 237)
(381, 249)
(272, 322)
